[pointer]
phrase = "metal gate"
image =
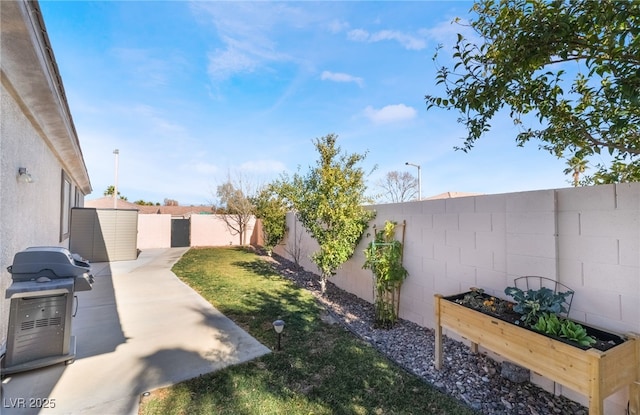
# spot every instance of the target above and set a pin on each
(180, 232)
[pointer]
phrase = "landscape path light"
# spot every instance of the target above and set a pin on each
(278, 326)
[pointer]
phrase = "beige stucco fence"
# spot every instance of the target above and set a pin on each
(154, 231)
(587, 238)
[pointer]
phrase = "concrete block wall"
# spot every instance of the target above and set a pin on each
(599, 254)
(587, 238)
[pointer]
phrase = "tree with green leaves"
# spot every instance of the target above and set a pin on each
(329, 202)
(271, 209)
(523, 62)
(575, 167)
(110, 190)
(618, 172)
(142, 202)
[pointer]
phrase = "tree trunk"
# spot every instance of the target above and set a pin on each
(323, 284)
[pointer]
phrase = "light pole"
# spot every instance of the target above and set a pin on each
(115, 186)
(419, 179)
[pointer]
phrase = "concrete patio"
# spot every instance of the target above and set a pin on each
(139, 329)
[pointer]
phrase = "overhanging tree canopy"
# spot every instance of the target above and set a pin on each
(522, 62)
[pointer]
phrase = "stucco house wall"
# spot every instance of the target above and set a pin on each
(36, 132)
(587, 238)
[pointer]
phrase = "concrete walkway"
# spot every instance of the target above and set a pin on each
(139, 329)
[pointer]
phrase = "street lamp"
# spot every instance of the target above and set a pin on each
(115, 186)
(278, 326)
(419, 179)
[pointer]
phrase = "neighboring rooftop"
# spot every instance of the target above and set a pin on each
(182, 211)
(451, 195)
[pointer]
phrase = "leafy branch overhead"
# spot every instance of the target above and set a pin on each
(522, 64)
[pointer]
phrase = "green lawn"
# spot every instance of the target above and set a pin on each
(321, 369)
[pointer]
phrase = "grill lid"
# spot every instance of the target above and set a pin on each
(53, 262)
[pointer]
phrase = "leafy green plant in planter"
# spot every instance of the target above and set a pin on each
(550, 323)
(575, 332)
(532, 303)
(384, 258)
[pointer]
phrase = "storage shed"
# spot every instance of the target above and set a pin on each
(104, 235)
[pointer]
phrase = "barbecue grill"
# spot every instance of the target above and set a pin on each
(42, 294)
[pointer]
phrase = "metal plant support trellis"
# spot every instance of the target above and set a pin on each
(535, 282)
(384, 258)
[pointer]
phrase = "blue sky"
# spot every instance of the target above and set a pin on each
(190, 92)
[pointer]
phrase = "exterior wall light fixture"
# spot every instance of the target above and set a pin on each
(24, 176)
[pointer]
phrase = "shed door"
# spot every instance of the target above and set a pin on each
(180, 230)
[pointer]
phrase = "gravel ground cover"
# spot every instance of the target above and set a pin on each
(474, 379)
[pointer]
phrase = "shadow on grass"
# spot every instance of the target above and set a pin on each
(258, 267)
(321, 369)
(258, 309)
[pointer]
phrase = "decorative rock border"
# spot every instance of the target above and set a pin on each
(474, 379)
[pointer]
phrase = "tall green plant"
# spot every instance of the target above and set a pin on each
(384, 258)
(329, 201)
(272, 210)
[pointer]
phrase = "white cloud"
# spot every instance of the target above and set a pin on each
(225, 63)
(341, 77)
(358, 35)
(390, 113)
(446, 32)
(337, 26)
(407, 41)
(153, 119)
(149, 67)
(247, 30)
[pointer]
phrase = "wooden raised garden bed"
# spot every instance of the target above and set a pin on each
(594, 373)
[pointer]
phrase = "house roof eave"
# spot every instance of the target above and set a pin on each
(30, 73)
